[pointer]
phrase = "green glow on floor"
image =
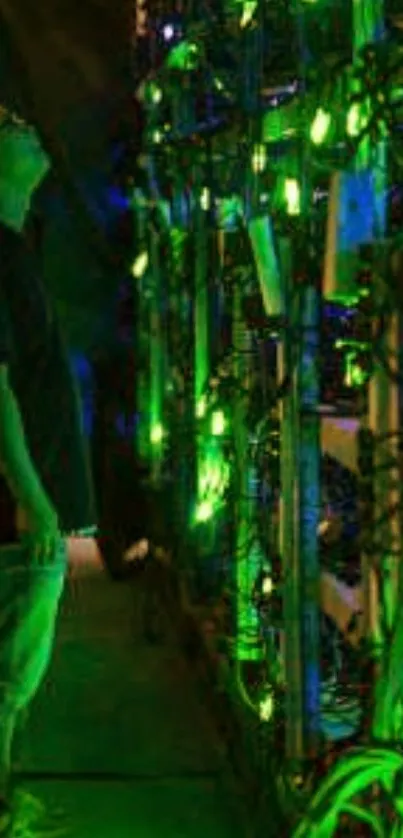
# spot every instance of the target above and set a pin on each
(113, 704)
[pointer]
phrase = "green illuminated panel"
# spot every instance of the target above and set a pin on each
(157, 363)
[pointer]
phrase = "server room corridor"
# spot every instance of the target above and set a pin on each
(119, 737)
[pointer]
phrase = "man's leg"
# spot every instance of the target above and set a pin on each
(29, 599)
(8, 723)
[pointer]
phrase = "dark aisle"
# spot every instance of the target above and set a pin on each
(113, 704)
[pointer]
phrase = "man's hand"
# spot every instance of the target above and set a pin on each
(137, 551)
(41, 533)
(39, 528)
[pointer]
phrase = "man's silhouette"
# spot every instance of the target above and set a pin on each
(58, 64)
(42, 455)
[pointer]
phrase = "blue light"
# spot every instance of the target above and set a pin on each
(333, 311)
(118, 199)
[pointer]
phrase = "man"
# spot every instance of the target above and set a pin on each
(42, 451)
(64, 67)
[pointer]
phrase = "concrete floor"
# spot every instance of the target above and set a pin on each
(118, 735)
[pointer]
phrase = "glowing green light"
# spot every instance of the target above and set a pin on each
(184, 56)
(153, 93)
(157, 137)
(353, 121)
(156, 94)
(157, 434)
(218, 423)
(140, 265)
(320, 126)
(205, 199)
(396, 95)
(259, 159)
(268, 586)
(292, 196)
(355, 375)
(201, 408)
(204, 511)
(248, 11)
(357, 118)
(352, 344)
(213, 480)
(266, 707)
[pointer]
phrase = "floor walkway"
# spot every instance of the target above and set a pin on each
(119, 736)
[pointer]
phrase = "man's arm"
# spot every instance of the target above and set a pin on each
(19, 470)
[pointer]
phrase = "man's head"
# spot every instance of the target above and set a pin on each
(23, 165)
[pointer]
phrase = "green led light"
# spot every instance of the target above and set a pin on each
(268, 586)
(204, 511)
(157, 434)
(357, 118)
(355, 376)
(320, 126)
(396, 95)
(266, 707)
(352, 344)
(140, 265)
(213, 479)
(201, 408)
(218, 423)
(248, 11)
(156, 94)
(259, 159)
(152, 93)
(292, 196)
(184, 56)
(353, 121)
(205, 199)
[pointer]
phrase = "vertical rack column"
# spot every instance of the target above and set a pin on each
(301, 472)
(386, 569)
(247, 647)
(309, 503)
(288, 515)
(379, 563)
(141, 280)
(248, 557)
(201, 313)
(157, 360)
(299, 515)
